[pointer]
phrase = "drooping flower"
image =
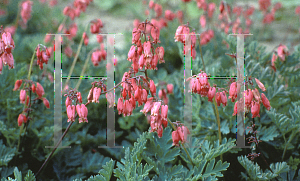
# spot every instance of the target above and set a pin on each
(147, 49)
(22, 96)
(79, 98)
(265, 101)
(68, 101)
(175, 138)
(170, 88)
(211, 93)
(155, 33)
(152, 87)
(155, 108)
(233, 91)
(274, 57)
(148, 106)
(256, 95)
(17, 85)
(39, 90)
(46, 103)
(120, 105)
(82, 112)
(282, 51)
(26, 10)
(223, 98)
(22, 119)
(260, 85)
(71, 113)
(248, 97)
(96, 94)
(85, 38)
(255, 109)
(164, 112)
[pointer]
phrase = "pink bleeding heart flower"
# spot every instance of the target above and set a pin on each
(71, 113)
(82, 112)
(96, 94)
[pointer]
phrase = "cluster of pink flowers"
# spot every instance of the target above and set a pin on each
(162, 94)
(180, 134)
(98, 55)
(43, 54)
(282, 52)
(26, 10)
(268, 16)
(131, 93)
(179, 36)
(252, 100)
(236, 26)
(206, 36)
(6, 45)
(199, 84)
(81, 109)
(72, 30)
(75, 10)
(159, 21)
(24, 98)
(158, 116)
(145, 54)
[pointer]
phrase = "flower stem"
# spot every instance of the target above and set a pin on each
(219, 124)
(188, 154)
(76, 56)
(201, 55)
(83, 69)
(60, 140)
(54, 148)
(31, 63)
(28, 77)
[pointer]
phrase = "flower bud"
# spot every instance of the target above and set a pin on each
(22, 119)
(164, 112)
(22, 96)
(260, 85)
(265, 101)
(39, 90)
(255, 109)
(152, 87)
(120, 105)
(17, 84)
(175, 138)
(90, 96)
(46, 103)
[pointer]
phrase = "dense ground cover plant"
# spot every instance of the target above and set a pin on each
(148, 93)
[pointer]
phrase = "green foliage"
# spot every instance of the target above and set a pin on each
(18, 176)
(255, 173)
(130, 167)
(6, 154)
